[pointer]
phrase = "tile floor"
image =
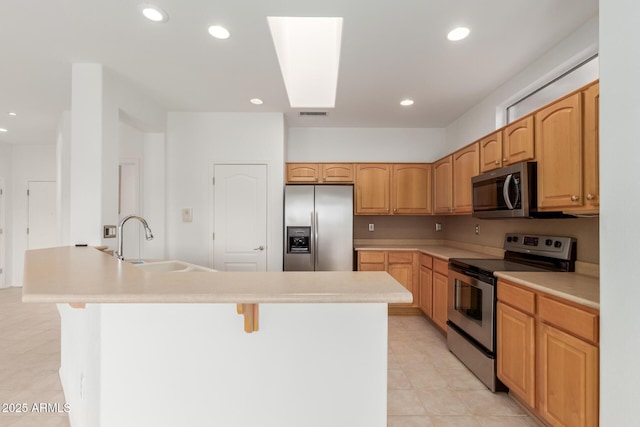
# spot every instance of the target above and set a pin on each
(427, 385)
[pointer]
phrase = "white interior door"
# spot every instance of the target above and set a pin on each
(42, 226)
(240, 218)
(129, 204)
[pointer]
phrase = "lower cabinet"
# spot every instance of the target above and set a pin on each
(433, 289)
(548, 355)
(426, 285)
(401, 265)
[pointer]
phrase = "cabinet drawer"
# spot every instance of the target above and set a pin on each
(519, 298)
(400, 257)
(440, 266)
(372, 267)
(372, 257)
(572, 319)
(426, 261)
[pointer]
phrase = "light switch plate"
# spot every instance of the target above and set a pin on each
(187, 214)
(372, 227)
(109, 232)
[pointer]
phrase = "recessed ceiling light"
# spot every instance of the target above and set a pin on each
(11, 113)
(219, 32)
(458, 33)
(256, 101)
(3, 130)
(406, 102)
(154, 13)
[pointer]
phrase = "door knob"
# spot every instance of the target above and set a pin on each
(259, 248)
(590, 196)
(497, 162)
(574, 198)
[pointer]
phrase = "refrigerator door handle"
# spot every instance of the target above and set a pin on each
(316, 241)
(312, 246)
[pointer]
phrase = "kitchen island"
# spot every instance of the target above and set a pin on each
(142, 348)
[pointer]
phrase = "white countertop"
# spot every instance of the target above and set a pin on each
(578, 288)
(86, 275)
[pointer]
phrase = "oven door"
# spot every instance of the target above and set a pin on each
(471, 306)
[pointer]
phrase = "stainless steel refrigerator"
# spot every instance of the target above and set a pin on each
(318, 227)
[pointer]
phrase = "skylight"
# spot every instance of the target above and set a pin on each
(308, 50)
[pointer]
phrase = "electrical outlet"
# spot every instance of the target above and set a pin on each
(438, 226)
(371, 227)
(477, 229)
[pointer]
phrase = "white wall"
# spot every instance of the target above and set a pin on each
(100, 101)
(30, 162)
(6, 256)
(620, 204)
(154, 194)
(365, 145)
(195, 141)
(488, 115)
(63, 169)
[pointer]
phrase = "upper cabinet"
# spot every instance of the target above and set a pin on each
(442, 186)
(518, 142)
(465, 165)
(560, 154)
(318, 173)
(512, 144)
(393, 189)
(373, 182)
(491, 152)
(411, 189)
(590, 150)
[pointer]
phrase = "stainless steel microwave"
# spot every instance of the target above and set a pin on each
(508, 192)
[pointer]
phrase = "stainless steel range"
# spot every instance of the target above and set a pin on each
(472, 296)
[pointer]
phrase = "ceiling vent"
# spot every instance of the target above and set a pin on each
(313, 114)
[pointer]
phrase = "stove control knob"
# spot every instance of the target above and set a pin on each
(557, 244)
(548, 242)
(515, 239)
(509, 239)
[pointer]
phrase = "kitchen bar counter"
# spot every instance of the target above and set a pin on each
(86, 275)
(134, 341)
(578, 288)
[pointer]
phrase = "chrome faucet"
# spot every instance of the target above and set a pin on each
(147, 232)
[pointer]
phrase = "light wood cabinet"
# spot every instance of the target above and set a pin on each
(442, 186)
(490, 152)
(567, 378)
(319, 173)
(303, 172)
(465, 165)
(512, 144)
(401, 265)
(590, 152)
(548, 354)
(426, 285)
(337, 172)
(402, 268)
(373, 182)
(440, 292)
(518, 142)
(411, 188)
(560, 154)
(516, 347)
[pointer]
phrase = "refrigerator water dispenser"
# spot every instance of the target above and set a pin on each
(298, 240)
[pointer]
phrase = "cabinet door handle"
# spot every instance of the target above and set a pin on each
(497, 162)
(259, 248)
(504, 160)
(574, 198)
(590, 196)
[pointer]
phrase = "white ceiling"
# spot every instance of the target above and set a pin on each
(391, 50)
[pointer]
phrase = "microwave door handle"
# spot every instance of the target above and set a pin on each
(505, 190)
